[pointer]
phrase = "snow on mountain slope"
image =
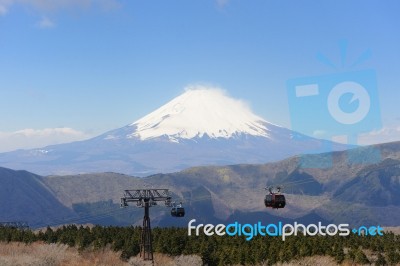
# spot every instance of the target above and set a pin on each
(197, 112)
(203, 126)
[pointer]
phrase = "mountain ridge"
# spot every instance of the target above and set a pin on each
(25, 197)
(198, 128)
(359, 194)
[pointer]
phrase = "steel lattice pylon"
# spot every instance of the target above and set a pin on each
(146, 250)
(146, 198)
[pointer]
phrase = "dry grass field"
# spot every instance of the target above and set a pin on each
(39, 254)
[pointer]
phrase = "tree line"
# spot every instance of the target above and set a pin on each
(216, 250)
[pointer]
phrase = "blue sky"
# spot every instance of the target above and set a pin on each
(71, 69)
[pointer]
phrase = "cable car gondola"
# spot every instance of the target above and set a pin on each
(275, 200)
(178, 211)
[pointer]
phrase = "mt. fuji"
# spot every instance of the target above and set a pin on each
(203, 126)
(198, 113)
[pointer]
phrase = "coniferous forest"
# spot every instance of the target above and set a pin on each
(217, 250)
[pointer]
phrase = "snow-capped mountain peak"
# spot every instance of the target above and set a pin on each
(203, 126)
(200, 111)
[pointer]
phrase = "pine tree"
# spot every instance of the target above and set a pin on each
(381, 260)
(50, 236)
(339, 254)
(305, 249)
(360, 257)
(393, 257)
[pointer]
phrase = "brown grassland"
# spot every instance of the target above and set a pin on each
(41, 254)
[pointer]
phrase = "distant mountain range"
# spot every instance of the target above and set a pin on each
(359, 194)
(198, 128)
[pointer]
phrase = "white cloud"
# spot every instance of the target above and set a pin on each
(36, 138)
(51, 6)
(222, 3)
(55, 5)
(109, 5)
(341, 139)
(45, 23)
(386, 134)
(4, 5)
(319, 133)
(3, 10)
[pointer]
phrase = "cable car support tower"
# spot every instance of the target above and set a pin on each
(146, 198)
